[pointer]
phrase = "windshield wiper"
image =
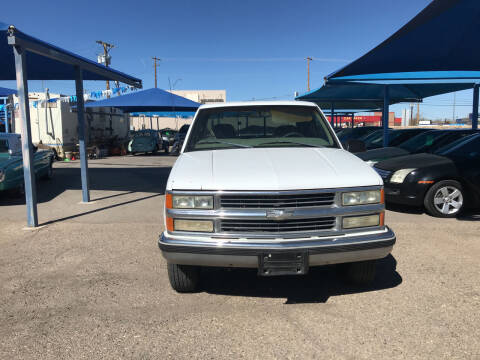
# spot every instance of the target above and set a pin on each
(289, 142)
(224, 142)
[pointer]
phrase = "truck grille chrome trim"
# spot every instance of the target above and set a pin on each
(264, 201)
(277, 226)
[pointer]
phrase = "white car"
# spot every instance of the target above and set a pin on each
(267, 185)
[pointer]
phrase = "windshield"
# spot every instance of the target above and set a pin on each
(445, 150)
(3, 146)
(259, 126)
(420, 141)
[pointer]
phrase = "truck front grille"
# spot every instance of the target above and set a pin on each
(273, 201)
(277, 226)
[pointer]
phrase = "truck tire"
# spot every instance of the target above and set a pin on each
(184, 278)
(49, 173)
(445, 199)
(362, 272)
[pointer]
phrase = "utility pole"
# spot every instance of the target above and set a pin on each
(105, 59)
(454, 101)
(308, 71)
(418, 113)
(155, 67)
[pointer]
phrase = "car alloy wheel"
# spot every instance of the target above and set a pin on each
(448, 200)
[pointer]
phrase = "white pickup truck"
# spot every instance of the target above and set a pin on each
(267, 185)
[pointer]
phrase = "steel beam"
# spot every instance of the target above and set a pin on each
(81, 134)
(386, 104)
(27, 148)
(353, 120)
(64, 57)
(475, 107)
(332, 114)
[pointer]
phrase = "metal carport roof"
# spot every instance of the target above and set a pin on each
(148, 100)
(33, 59)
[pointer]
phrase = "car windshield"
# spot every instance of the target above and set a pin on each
(445, 150)
(3, 146)
(259, 126)
(423, 140)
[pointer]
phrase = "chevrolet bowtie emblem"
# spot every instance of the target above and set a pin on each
(279, 214)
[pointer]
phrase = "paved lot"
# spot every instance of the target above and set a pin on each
(92, 284)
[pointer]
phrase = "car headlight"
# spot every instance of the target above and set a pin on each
(352, 222)
(193, 225)
(362, 197)
(192, 202)
(2, 176)
(399, 176)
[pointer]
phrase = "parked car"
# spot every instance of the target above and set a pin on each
(395, 137)
(444, 182)
(356, 133)
(282, 199)
(145, 141)
(11, 163)
(179, 139)
(427, 142)
(168, 135)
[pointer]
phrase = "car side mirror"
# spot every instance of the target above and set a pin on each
(355, 146)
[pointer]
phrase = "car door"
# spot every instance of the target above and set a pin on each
(467, 161)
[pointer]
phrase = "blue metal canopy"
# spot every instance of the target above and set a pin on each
(52, 67)
(441, 38)
(369, 96)
(148, 100)
(4, 92)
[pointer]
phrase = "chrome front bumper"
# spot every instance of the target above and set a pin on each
(245, 253)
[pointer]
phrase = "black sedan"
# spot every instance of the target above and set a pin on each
(427, 142)
(356, 133)
(395, 137)
(444, 182)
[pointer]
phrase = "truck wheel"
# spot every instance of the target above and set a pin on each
(49, 174)
(362, 272)
(444, 199)
(184, 278)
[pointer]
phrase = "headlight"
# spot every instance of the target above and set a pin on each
(361, 221)
(192, 202)
(2, 176)
(362, 197)
(193, 225)
(399, 176)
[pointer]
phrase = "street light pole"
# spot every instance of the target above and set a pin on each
(308, 72)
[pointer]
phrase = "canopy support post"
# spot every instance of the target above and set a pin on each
(353, 120)
(81, 134)
(475, 107)
(331, 115)
(27, 148)
(386, 103)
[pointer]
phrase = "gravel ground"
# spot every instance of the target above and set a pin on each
(91, 283)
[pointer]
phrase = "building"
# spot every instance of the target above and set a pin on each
(203, 96)
(54, 123)
(367, 120)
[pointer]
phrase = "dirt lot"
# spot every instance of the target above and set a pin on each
(92, 284)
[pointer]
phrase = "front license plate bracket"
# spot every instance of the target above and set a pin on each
(290, 263)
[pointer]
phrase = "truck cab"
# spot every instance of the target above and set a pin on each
(267, 185)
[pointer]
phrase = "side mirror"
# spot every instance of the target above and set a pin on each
(355, 146)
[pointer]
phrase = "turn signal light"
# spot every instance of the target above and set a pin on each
(169, 223)
(168, 201)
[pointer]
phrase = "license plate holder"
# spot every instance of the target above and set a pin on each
(288, 263)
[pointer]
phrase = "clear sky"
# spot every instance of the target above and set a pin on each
(253, 49)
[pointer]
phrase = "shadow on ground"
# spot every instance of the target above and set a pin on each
(126, 180)
(317, 287)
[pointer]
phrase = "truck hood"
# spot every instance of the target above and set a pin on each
(272, 169)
